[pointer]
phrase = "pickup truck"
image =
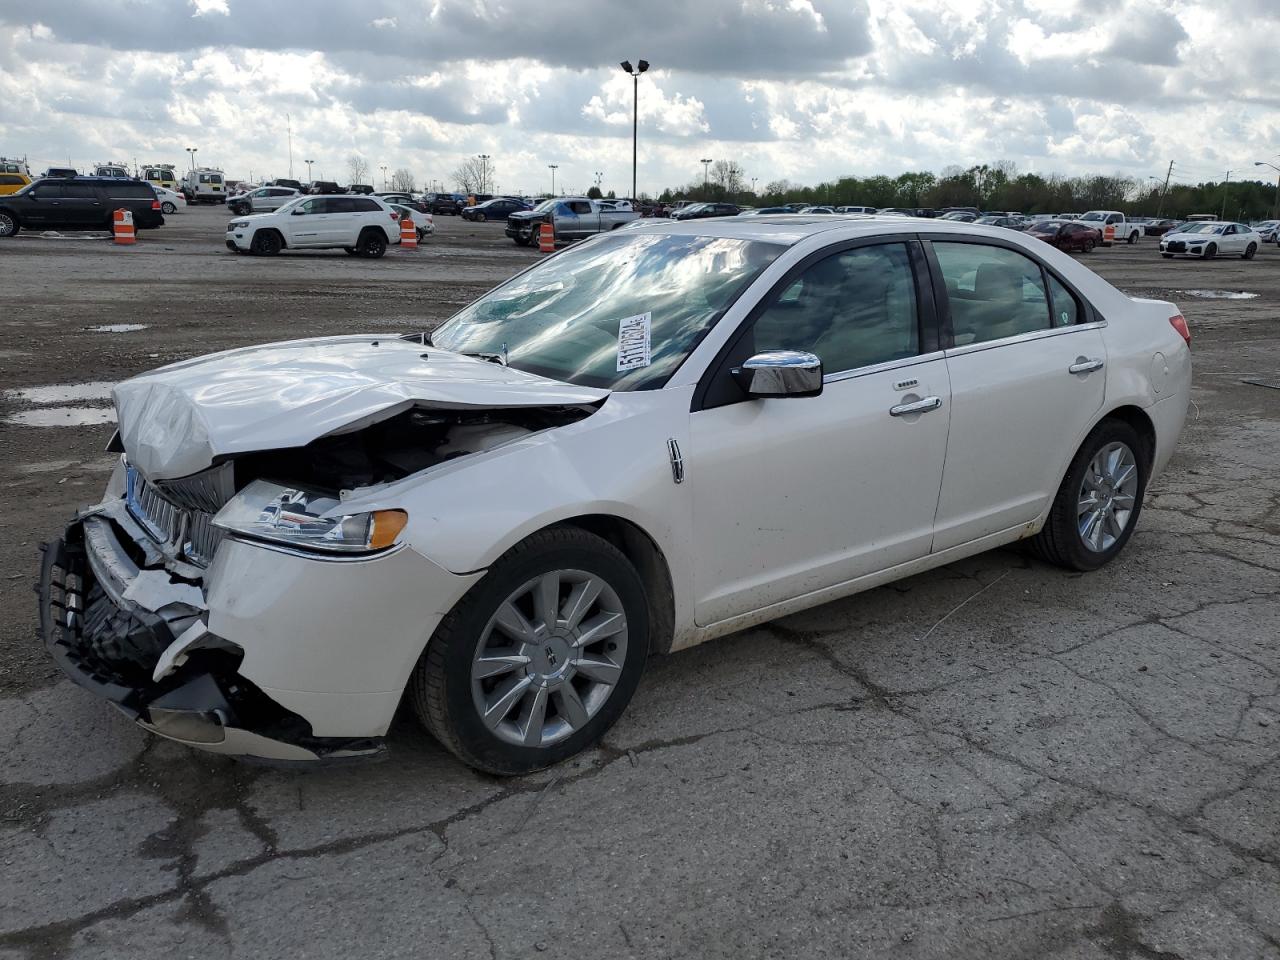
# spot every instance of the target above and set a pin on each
(1114, 226)
(574, 218)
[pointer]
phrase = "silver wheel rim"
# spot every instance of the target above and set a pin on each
(6, 224)
(549, 658)
(1107, 497)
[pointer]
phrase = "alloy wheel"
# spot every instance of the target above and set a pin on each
(1107, 495)
(549, 658)
(7, 224)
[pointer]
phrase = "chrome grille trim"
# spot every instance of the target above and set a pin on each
(183, 532)
(209, 490)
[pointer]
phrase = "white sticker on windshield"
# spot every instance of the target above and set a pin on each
(633, 342)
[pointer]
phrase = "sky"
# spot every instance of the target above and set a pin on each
(803, 90)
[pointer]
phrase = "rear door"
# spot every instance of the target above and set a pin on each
(1025, 358)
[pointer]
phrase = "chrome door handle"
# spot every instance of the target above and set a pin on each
(920, 406)
(1085, 366)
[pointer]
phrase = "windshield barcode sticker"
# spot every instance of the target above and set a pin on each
(633, 342)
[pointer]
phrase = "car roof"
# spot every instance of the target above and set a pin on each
(791, 228)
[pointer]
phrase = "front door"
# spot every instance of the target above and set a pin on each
(1027, 375)
(308, 222)
(793, 495)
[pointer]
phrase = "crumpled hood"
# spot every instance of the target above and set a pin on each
(176, 420)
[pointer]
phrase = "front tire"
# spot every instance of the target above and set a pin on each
(1211, 251)
(1249, 252)
(265, 243)
(1098, 504)
(540, 658)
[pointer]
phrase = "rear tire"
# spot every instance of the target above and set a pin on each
(1249, 252)
(168, 207)
(1133, 238)
(9, 225)
(372, 243)
(1061, 541)
(266, 243)
(448, 695)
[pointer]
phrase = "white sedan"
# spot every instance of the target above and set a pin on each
(170, 200)
(1211, 238)
(653, 438)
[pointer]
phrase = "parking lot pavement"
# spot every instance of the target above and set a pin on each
(995, 759)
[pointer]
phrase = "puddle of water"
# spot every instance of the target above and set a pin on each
(55, 235)
(62, 392)
(1219, 294)
(63, 416)
(118, 328)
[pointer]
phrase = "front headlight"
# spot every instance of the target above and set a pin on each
(295, 516)
(237, 225)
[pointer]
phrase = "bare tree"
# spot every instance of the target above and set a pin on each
(473, 175)
(728, 174)
(402, 181)
(357, 169)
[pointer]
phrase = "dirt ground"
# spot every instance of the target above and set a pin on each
(995, 759)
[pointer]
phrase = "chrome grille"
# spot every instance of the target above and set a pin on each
(186, 533)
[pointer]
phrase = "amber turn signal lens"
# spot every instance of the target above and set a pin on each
(387, 525)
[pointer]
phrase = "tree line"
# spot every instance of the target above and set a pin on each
(997, 186)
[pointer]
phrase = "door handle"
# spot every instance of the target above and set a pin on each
(920, 406)
(1085, 366)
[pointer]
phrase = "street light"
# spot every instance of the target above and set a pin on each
(484, 159)
(641, 67)
(383, 168)
(706, 165)
(192, 151)
(553, 167)
(1225, 185)
(308, 163)
(753, 185)
(1265, 163)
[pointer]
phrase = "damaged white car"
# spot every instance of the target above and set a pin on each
(654, 438)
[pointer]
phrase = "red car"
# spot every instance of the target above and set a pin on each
(1067, 235)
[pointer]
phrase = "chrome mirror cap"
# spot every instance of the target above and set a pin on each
(781, 373)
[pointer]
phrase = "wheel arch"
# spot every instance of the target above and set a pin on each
(1142, 425)
(650, 562)
(284, 243)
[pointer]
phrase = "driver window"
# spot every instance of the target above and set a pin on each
(309, 206)
(852, 309)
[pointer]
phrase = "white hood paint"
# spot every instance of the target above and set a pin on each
(176, 420)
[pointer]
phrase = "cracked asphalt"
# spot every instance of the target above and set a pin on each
(996, 759)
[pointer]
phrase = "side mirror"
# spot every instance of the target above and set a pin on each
(780, 373)
(299, 212)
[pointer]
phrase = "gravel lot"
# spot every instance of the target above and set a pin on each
(995, 759)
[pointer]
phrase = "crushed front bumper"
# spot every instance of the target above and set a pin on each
(109, 625)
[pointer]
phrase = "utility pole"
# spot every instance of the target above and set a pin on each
(706, 165)
(553, 167)
(484, 172)
(1264, 163)
(1225, 184)
(641, 67)
(1165, 191)
(288, 122)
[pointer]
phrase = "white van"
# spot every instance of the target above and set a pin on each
(117, 170)
(161, 175)
(205, 185)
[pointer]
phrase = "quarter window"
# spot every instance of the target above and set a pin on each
(852, 309)
(993, 292)
(1066, 308)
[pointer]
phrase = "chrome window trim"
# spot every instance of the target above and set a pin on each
(1023, 338)
(882, 367)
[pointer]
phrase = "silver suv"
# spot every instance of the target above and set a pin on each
(262, 200)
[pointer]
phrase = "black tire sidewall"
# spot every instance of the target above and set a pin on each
(1064, 511)
(369, 245)
(480, 746)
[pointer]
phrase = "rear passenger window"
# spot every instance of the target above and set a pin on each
(993, 292)
(853, 309)
(130, 190)
(363, 205)
(80, 191)
(1066, 308)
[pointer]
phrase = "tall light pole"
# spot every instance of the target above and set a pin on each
(288, 120)
(553, 167)
(1225, 184)
(706, 165)
(308, 163)
(192, 152)
(484, 159)
(641, 67)
(1264, 163)
(753, 185)
(600, 179)
(383, 167)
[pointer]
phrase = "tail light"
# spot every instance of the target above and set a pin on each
(395, 216)
(155, 204)
(1179, 323)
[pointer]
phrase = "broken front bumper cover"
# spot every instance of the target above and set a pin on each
(94, 632)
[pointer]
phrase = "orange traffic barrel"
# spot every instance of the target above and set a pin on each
(546, 238)
(408, 233)
(122, 227)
